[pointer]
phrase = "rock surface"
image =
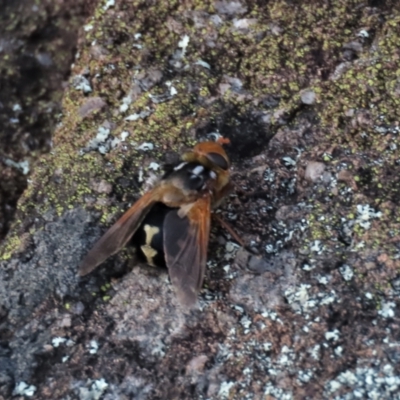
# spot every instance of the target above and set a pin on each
(314, 312)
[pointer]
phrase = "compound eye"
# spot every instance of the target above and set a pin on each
(218, 160)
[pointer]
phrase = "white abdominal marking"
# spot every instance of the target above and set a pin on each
(147, 250)
(150, 231)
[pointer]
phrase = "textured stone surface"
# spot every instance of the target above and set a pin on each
(313, 313)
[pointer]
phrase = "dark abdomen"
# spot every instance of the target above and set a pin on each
(148, 239)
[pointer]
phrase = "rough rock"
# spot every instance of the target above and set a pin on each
(310, 308)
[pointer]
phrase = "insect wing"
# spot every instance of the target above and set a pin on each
(119, 234)
(185, 247)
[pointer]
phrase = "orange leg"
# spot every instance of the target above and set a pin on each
(229, 228)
